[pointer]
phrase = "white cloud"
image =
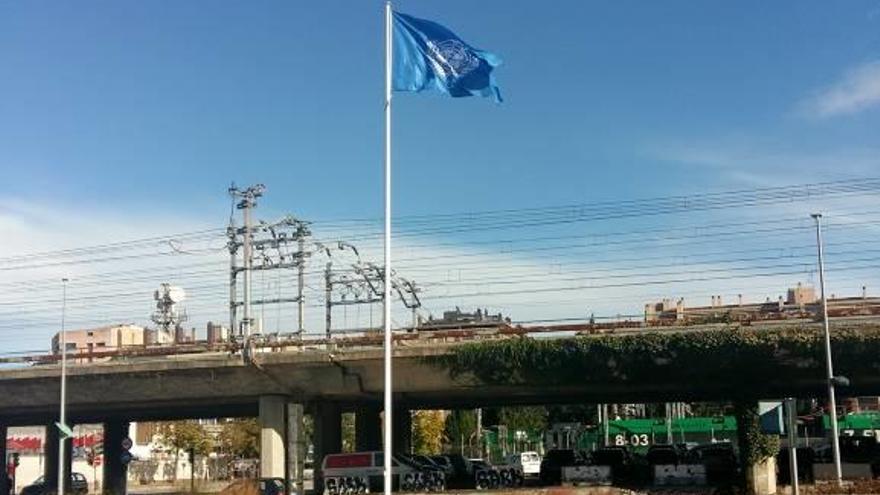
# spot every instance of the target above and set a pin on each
(114, 285)
(745, 163)
(857, 91)
(605, 280)
(758, 162)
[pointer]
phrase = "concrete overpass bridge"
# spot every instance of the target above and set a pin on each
(325, 378)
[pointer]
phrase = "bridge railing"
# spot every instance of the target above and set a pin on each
(372, 338)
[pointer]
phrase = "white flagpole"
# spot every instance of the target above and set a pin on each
(387, 416)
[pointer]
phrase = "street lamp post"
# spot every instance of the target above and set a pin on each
(832, 402)
(62, 438)
(791, 408)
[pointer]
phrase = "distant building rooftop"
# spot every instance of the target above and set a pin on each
(800, 301)
(109, 338)
(462, 318)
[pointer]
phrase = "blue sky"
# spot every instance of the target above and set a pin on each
(164, 103)
(137, 115)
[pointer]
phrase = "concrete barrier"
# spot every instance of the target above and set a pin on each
(850, 471)
(505, 476)
(339, 485)
(586, 475)
(679, 474)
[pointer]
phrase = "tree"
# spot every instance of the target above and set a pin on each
(184, 435)
(240, 438)
(460, 428)
(571, 413)
(427, 434)
(531, 419)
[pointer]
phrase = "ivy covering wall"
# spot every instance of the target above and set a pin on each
(740, 360)
(755, 447)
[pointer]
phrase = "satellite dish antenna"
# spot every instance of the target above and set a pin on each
(176, 294)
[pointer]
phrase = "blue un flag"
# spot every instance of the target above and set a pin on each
(429, 56)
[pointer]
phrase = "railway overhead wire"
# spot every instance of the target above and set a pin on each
(529, 263)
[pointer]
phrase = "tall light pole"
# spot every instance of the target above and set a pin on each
(832, 403)
(62, 438)
(791, 408)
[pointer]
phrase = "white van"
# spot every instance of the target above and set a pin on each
(528, 462)
(361, 472)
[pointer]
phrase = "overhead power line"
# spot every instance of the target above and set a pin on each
(641, 259)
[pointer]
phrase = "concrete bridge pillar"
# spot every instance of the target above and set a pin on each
(758, 466)
(4, 479)
(296, 447)
(115, 472)
(328, 437)
(282, 441)
(272, 436)
(368, 428)
(68, 462)
(50, 455)
(402, 430)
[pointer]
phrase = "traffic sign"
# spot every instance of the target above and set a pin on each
(126, 443)
(65, 430)
(772, 420)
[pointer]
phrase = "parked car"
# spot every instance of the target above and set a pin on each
(528, 462)
(244, 468)
(479, 464)
(271, 486)
(422, 462)
(463, 471)
(425, 460)
(444, 463)
(363, 471)
(434, 464)
(425, 476)
(78, 485)
(553, 462)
